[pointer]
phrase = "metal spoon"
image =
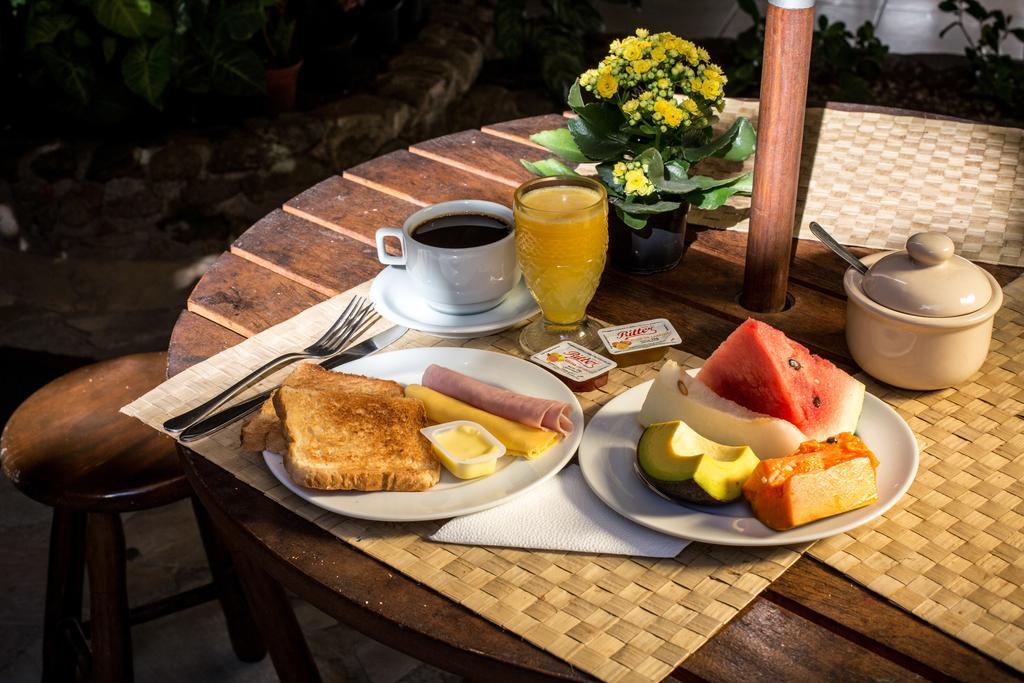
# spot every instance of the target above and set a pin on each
(840, 251)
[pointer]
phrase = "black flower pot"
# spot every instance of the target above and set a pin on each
(655, 248)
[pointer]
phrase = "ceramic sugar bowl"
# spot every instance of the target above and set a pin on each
(920, 318)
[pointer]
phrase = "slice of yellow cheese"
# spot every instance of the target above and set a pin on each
(519, 439)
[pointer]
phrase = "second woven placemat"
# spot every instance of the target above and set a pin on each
(875, 179)
(952, 550)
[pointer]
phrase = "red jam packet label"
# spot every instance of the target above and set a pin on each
(638, 336)
(573, 361)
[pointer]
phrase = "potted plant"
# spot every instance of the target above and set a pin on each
(282, 68)
(652, 103)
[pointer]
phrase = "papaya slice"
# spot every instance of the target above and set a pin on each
(821, 479)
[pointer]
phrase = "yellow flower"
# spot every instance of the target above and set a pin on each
(673, 116)
(630, 106)
(691, 106)
(607, 85)
(641, 66)
(703, 54)
(619, 170)
(642, 33)
(587, 78)
(637, 183)
(696, 84)
(689, 51)
(645, 95)
(711, 89)
(664, 84)
(631, 51)
(661, 105)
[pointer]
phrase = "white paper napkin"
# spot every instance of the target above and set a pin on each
(560, 514)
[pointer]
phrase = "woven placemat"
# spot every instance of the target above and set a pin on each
(952, 550)
(616, 618)
(875, 179)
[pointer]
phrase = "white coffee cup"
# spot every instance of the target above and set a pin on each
(462, 280)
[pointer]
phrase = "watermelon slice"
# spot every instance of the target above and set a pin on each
(763, 370)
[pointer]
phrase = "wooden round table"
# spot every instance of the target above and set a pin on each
(812, 623)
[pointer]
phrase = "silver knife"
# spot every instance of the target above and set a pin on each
(222, 419)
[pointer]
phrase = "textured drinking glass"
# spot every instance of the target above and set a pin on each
(562, 244)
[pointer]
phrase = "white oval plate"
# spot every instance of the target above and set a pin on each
(394, 295)
(451, 497)
(608, 454)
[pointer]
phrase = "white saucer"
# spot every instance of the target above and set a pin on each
(394, 294)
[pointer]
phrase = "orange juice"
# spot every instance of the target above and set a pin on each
(562, 242)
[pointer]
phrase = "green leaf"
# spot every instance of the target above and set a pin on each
(647, 209)
(575, 99)
(243, 19)
(656, 172)
(603, 118)
(147, 70)
(560, 142)
(594, 146)
(75, 77)
(735, 144)
(632, 221)
(546, 167)
(715, 197)
(133, 18)
(745, 182)
(614, 185)
(43, 29)
(233, 69)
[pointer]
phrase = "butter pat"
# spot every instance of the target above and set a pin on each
(642, 342)
(465, 448)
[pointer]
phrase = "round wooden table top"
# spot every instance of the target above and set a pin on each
(812, 623)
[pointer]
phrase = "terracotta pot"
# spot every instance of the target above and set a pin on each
(282, 88)
(655, 248)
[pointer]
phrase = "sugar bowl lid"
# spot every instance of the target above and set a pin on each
(928, 279)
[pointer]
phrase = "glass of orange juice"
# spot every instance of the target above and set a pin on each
(562, 242)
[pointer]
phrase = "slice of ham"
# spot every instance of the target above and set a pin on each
(528, 410)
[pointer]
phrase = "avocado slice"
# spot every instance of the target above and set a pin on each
(679, 463)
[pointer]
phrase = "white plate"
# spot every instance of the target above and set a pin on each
(394, 294)
(608, 454)
(451, 497)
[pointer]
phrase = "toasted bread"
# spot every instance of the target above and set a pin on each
(263, 431)
(355, 441)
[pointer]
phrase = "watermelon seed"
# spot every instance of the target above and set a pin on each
(816, 401)
(794, 363)
(831, 439)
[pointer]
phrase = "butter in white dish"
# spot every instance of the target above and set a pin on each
(465, 448)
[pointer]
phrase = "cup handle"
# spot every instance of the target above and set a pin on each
(383, 256)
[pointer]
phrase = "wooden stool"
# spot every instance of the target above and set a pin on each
(68, 447)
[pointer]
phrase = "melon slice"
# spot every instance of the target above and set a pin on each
(762, 369)
(677, 396)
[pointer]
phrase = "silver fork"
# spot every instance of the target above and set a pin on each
(333, 341)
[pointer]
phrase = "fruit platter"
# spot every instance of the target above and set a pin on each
(766, 444)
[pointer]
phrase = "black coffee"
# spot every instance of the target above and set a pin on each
(461, 231)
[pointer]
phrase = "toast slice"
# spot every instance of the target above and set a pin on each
(355, 441)
(263, 431)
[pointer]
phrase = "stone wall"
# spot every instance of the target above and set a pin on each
(97, 237)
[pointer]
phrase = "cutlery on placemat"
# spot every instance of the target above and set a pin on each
(218, 421)
(331, 343)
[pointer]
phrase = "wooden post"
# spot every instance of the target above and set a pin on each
(787, 58)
